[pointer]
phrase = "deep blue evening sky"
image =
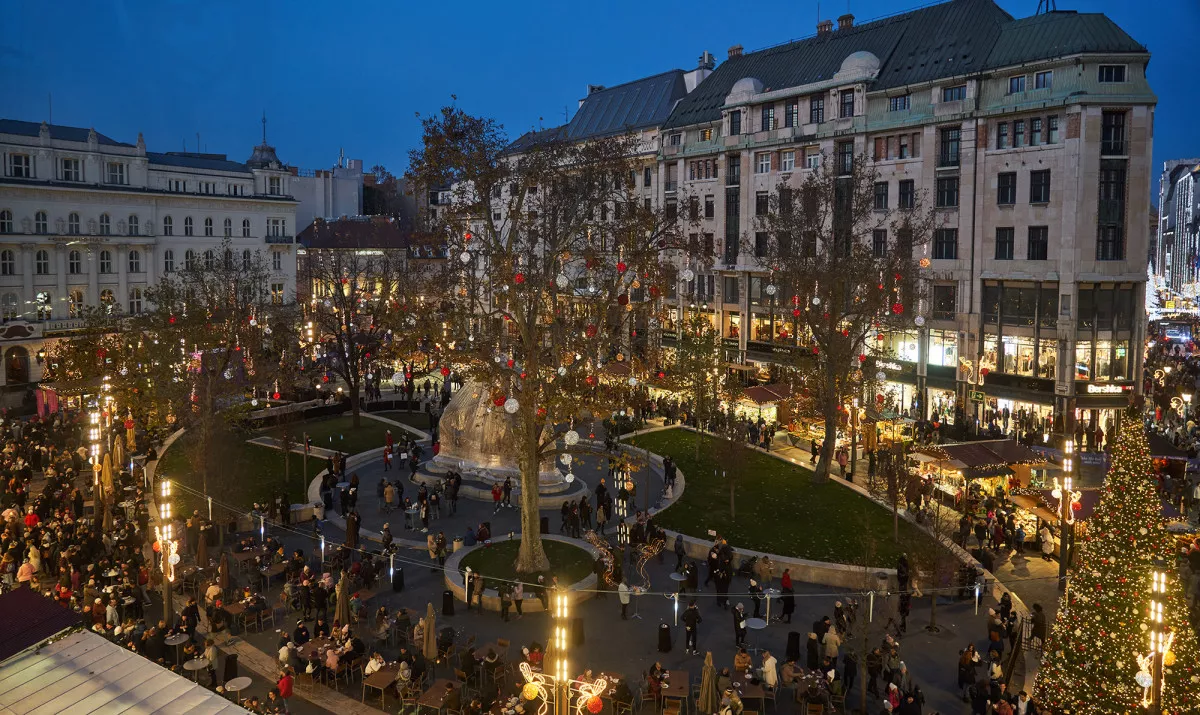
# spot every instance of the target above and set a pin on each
(352, 74)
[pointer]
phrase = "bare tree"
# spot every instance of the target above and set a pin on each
(837, 279)
(559, 274)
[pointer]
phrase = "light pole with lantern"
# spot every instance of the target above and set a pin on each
(1066, 514)
(166, 544)
(1150, 666)
(556, 676)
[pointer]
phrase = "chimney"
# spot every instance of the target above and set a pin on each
(824, 27)
(703, 69)
(706, 61)
(845, 22)
(735, 51)
(593, 88)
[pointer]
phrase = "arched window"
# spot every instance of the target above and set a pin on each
(168, 225)
(9, 306)
(210, 260)
(40, 223)
(208, 226)
(168, 261)
(228, 259)
(45, 305)
(133, 224)
(42, 262)
(73, 223)
(228, 228)
(76, 302)
(74, 263)
(107, 299)
(189, 260)
(8, 262)
(187, 226)
(135, 301)
(246, 259)
(6, 222)
(106, 261)
(105, 225)
(135, 261)
(245, 228)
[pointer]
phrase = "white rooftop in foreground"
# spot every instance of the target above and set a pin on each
(86, 673)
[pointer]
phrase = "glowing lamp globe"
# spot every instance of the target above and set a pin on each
(595, 705)
(530, 691)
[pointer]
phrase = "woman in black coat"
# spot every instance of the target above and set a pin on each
(813, 655)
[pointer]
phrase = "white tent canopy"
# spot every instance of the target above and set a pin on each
(86, 673)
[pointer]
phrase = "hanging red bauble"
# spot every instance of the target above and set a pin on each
(795, 312)
(541, 412)
(522, 376)
(621, 267)
(1076, 506)
(897, 308)
(589, 263)
(845, 333)
(815, 351)
(983, 372)
(936, 424)
(101, 353)
(653, 291)
(590, 380)
(445, 372)
(590, 331)
(591, 435)
(467, 236)
(897, 276)
(275, 396)
(783, 334)
(499, 401)
(634, 333)
(519, 278)
(661, 374)
(879, 337)
(622, 299)
(595, 704)
(879, 398)
(862, 358)
(510, 362)
(128, 424)
(171, 320)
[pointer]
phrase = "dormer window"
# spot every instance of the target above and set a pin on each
(954, 94)
(274, 185)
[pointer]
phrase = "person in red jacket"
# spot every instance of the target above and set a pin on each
(285, 684)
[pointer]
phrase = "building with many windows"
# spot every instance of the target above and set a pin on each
(1032, 137)
(1175, 261)
(86, 220)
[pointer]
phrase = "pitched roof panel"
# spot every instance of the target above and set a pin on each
(57, 131)
(213, 162)
(1058, 34)
(631, 106)
(27, 618)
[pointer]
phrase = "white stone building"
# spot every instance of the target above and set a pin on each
(88, 220)
(328, 193)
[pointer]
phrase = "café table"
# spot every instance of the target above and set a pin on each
(237, 685)
(175, 641)
(755, 624)
(435, 695)
(677, 686)
(313, 646)
(380, 680)
(196, 665)
(271, 573)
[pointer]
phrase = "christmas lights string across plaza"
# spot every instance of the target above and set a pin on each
(405, 560)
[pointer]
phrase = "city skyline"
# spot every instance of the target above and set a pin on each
(323, 99)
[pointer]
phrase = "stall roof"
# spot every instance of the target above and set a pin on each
(991, 452)
(766, 394)
(85, 672)
(28, 618)
(1161, 447)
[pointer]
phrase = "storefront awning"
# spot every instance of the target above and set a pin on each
(767, 394)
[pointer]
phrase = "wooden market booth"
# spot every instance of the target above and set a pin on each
(977, 470)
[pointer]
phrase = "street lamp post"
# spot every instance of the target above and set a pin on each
(1065, 517)
(853, 438)
(166, 545)
(1150, 667)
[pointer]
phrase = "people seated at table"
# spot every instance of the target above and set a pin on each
(816, 695)
(621, 692)
(300, 634)
(724, 680)
(475, 707)
(790, 672)
(768, 673)
(321, 629)
(452, 700)
(741, 661)
(374, 665)
(467, 663)
(332, 660)
(534, 654)
(730, 704)
(404, 677)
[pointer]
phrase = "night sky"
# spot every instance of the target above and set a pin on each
(352, 75)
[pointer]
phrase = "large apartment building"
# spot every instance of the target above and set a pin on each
(1175, 261)
(1032, 137)
(86, 220)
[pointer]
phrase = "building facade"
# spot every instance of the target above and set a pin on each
(1032, 137)
(1175, 261)
(86, 220)
(328, 193)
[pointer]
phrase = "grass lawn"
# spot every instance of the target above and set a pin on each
(338, 433)
(567, 561)
(420, 420)
(778, 507)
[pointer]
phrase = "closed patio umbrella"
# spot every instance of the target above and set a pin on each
(709, 697)
(429, 647)
(223, 573)
(342, 609)
(202, 552)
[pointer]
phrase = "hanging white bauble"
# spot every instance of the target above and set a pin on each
(571, 438)
(570, 477)
(124, 371)
(919, 320)
(566, 458)
(688, 274)
(633, 382)
(1078, 632)
(254, 402)
(1057, 494)
(771, 289)
(465, 257)
(412, 320)
(267, 330)
(1144, 679)
(174, 559)
(498, 358)
(328, 303)
(253, 322)
(228, 374)
(562, 371)
(881, 376)
(1143, 531)
(511, 405)
(816, 300)
(471, 338)
(562, 281)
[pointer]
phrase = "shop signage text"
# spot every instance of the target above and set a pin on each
(1108, 389)
(887, 365)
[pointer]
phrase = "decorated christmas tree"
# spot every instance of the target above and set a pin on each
(1095, 657)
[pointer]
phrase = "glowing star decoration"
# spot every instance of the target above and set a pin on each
(511, 405)
(571, 438)
(924, 262)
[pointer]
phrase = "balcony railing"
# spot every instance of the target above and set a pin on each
(281, 239)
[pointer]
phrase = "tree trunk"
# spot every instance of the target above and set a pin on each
(825, 462)
(933, 626)
(354, 404)
(532, 557)
(732, 517)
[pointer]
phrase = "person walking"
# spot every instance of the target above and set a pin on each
(507, 492)
(505, 592)
(623, 597)
(680, 553)
(739, 625)
(518, 596)
(389, 497)
(691, 619)
(1047, 542)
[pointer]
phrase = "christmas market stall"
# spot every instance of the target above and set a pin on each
(886, 429)
(765, 402)
(978, 469)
